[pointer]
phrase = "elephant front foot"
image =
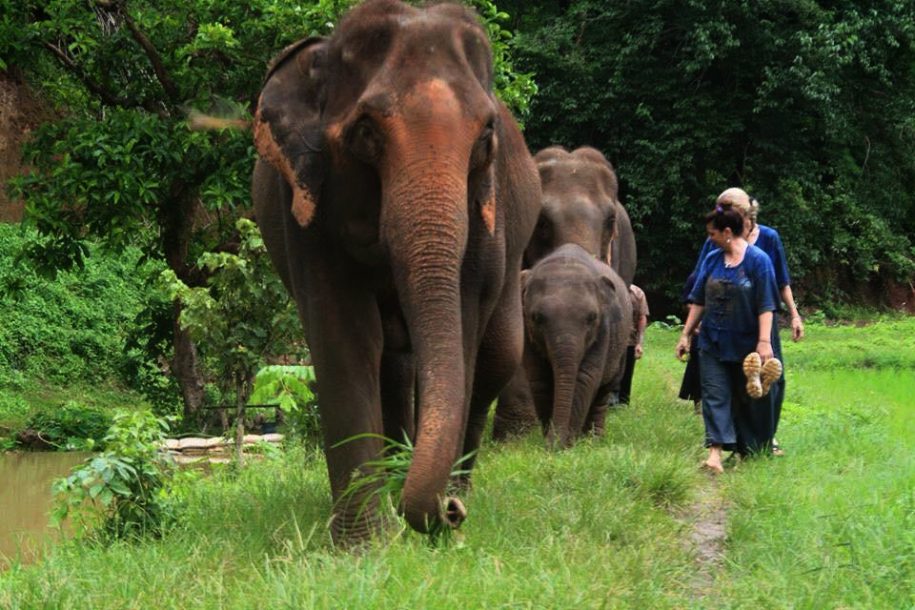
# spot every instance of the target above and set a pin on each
(357, 523)
(505, 429)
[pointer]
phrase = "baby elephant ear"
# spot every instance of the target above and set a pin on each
(287, 124)
(612, 299)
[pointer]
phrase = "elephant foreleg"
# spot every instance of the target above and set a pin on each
(597, 414)
(515, 413)
(344, 331)
(498, 358)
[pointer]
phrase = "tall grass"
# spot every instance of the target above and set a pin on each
(605, 524)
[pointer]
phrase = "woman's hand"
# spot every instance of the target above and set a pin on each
(797, 328)
(764, 349)
(682, 348)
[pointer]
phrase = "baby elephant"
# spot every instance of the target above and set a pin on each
(577, 316)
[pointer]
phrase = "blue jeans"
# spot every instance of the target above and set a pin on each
(732, 419)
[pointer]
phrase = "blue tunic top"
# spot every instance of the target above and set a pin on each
(733, 298)
(770, 242)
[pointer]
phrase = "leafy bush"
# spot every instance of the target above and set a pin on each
(70, 329)
(129, 490)
(290, 388)
(71, 426)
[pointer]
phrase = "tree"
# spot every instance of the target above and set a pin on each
(121, 166)
(240, 319)
(808, 105)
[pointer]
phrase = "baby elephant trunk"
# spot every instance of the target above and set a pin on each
(566, 357)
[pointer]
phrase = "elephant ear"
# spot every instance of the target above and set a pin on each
(610, 294)
(287, 124)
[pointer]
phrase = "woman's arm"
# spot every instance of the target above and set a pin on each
(797, 324)
(692, 320)
(764, 342)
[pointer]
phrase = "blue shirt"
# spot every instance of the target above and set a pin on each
(769, 242)
(733, 298)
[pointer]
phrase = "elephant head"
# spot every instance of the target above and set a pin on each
(386, 134)
(570, 304)
(581, 206)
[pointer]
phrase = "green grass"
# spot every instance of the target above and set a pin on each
(603, 525)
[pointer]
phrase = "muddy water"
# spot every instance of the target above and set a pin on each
(25, 500)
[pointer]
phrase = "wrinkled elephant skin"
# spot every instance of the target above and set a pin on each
(395, 195)
(577, 313)
(580, 206)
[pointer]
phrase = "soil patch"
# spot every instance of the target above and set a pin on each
(20, 113)
(707, 517)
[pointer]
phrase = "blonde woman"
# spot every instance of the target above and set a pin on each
(769, 241)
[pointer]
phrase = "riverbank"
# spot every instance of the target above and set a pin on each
(614, 522)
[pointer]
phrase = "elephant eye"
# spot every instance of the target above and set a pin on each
(592, 317)
(488, 130)
(364, 140)
(537, 317)
(544, 229)
(485, 145)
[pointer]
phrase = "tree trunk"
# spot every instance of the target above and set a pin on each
(240, 400)
(176, 217)
(185, 369)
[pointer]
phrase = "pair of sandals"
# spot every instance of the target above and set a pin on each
(760, 376)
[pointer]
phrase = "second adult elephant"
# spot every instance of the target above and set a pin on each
(396, 195)
(581, 206)
(577, 315)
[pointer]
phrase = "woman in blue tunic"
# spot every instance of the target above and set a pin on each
(769, 241)
(734, 296)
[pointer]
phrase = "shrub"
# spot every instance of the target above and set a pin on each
(129, 490)
(70, 329)
(70, 426)
(290, 388)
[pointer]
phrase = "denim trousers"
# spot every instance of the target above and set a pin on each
(732, 419)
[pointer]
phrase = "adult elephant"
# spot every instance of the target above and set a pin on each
(580, 206)
(396, 195)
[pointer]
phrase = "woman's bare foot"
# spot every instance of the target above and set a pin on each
(713, 467)
(713, 463)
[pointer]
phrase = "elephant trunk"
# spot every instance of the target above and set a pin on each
(425, 228)
(565, 356)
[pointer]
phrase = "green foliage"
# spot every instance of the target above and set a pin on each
(124, 492)
(71, 330)
(808, 106)
(514, 88)
(242, 316)
(290, 388)
(71, 426)
(284, 386)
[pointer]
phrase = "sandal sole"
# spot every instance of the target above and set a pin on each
(752, 365)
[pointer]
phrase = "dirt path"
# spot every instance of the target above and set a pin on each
(707, 517)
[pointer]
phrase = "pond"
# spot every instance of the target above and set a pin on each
(25, 500)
